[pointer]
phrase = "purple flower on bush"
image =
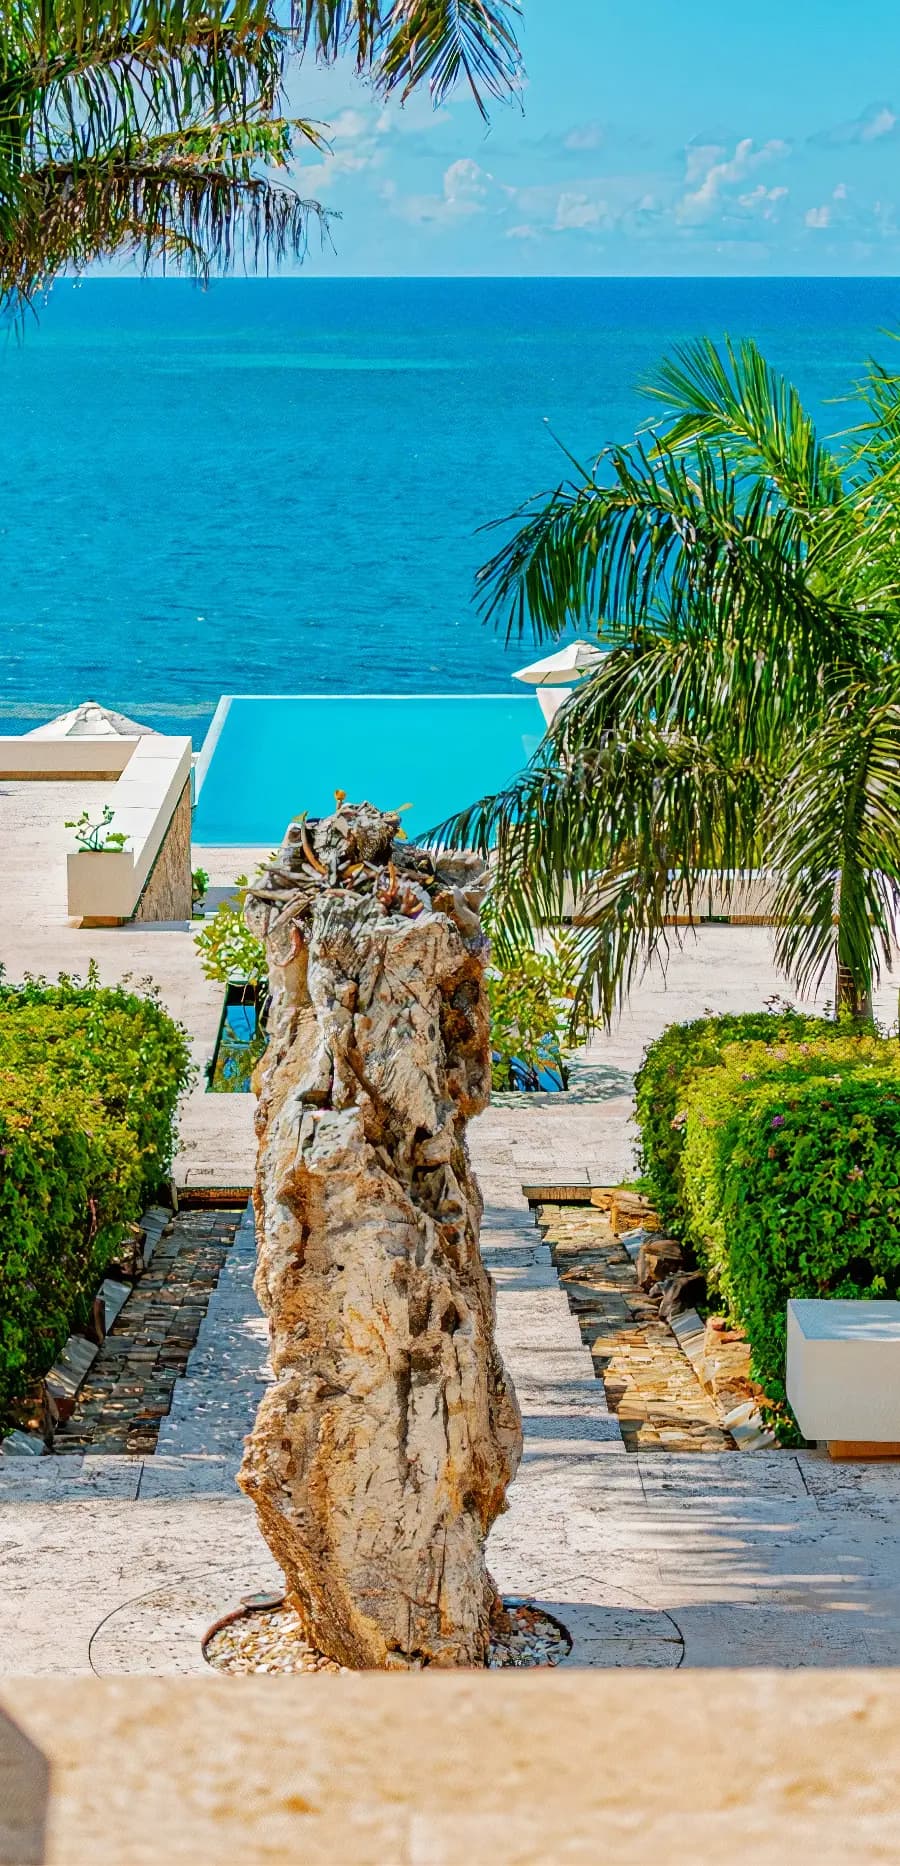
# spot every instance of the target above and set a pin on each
(777, 1120)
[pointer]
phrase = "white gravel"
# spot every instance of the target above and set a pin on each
(271, 1641)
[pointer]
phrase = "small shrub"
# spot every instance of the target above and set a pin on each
(669, 1066)
(227, 948)
(791, 1178)
(530, 1000)
(89, 1084)
(112, 1041)
(69, 1181)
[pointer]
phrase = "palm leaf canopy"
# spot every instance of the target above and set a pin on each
(159, 127)
(744, 578)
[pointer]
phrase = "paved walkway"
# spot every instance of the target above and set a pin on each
(650, 1385)
(118, 1563)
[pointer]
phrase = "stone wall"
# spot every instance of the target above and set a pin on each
(167, 890)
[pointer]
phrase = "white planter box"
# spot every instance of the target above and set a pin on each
(843, 1371)
(107, 885)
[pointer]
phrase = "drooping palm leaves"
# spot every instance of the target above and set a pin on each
(158, 126)
(745, 579)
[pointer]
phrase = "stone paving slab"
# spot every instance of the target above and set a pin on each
(659, 1559)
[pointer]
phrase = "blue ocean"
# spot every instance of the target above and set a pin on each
(281, 486)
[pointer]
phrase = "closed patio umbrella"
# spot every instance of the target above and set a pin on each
(561, 668)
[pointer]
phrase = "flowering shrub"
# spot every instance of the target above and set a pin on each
(790, 1181)
(669, 1066)
(89, 1084)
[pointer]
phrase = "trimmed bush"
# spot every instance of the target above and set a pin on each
(670, 1065)
(89, 1083)
(791, 1181)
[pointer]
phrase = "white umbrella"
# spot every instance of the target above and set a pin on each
(561, 668)
(90, 721)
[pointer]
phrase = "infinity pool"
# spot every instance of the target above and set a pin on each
(265, 759)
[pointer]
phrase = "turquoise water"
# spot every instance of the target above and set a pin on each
(270, 759)
(278, 486)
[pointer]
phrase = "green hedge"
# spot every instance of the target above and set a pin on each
(89, 1083)
(668, 1067)
(791, 1181)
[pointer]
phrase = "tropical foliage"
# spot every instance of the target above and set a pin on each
(161, 128)
(227, 948)
(669, 1066)
(531, 1001)
(789, 1181)
(89, 1083)
(745, 578)
(531, 997)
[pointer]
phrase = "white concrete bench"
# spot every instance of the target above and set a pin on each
(843, 1375)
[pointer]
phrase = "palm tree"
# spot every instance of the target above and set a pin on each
(157, 127)
(745, 578)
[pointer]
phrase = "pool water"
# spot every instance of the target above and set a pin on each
(240, 1042)
(265, 759)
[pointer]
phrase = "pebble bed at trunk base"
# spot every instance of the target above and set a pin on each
(270, 1639)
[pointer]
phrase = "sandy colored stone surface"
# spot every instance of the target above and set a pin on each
(382, 1453)
(650, 1384)
(451, 1771)
(167, 890)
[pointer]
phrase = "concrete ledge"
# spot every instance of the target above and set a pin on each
(447, 1770)
(104, 888)
(52, 760)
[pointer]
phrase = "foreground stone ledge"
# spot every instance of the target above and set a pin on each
(446, 1770)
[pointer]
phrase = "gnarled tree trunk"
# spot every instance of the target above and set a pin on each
(382, 1454)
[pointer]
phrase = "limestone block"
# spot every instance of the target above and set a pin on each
(724, 1366)
(657, 1258)
(382, 1454)
(843, 1370)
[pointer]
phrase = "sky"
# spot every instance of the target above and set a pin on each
(651, 139)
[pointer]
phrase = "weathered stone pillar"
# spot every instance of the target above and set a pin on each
(382, 1454)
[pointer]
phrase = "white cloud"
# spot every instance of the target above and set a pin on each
(585, 136)
(575, 212)
(762, 200)
(714, 172)
(870, 126)
(465, 190)
(465, 186)
(817, 217)
(880, 124)
(840, 192)
(524, 231)
(349, 125)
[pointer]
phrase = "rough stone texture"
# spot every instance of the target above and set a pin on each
(382, 1454)
(658, 1258)
(724, 1366)
(649, 1383)
(128, 1393)
(167, 890)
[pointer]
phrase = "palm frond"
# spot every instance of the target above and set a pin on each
(106, 105)
(835, 842)
(731, 398)
(619, 816)
(156, 207)
(444, 41)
